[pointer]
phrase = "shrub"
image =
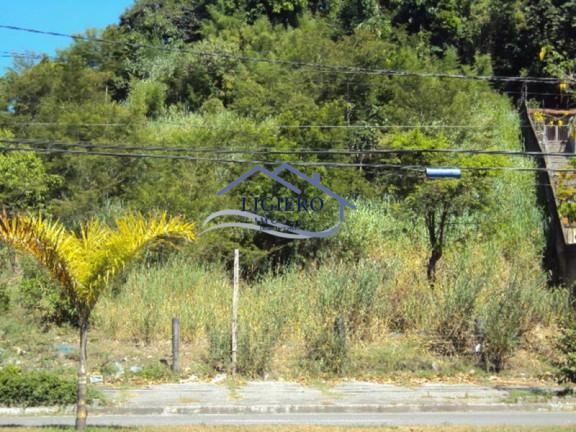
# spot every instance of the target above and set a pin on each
(42, 297)
(454, 314)
(262, 317)
(255, 350)
(148, 97)
(143, 307)
(508, 313)
(345, 303)
(21, 388)
(567, 346)
(4, 298)
(328, 348)
(219, 344)
(155, 372)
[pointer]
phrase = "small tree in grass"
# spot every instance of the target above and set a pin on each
(85, 264)
(439, 202)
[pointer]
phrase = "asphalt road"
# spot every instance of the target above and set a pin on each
(511, 418)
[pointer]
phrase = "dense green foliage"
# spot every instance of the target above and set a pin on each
(20, 388)
(176, 75)
(122, 94)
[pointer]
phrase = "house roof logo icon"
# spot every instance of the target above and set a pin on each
(295, 233)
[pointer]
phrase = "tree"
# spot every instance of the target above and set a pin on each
(563, 66)
(440, 201)
(25, 183)
(84, 265)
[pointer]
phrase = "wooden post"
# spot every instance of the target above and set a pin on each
(175, 345)
(235, 310)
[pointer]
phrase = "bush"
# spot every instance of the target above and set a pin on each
(155, 372)
(508, 314)
(567, 346)
(219, 344)
(262, 317)
(346, 301)
(328, 348)
(4, 298)
(255, 349)
(148, 97)
(19, 388)
(454, 314)
(183, 288)
(43, 297)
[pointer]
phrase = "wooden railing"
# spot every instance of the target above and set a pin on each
(556, 132)
(551, 139)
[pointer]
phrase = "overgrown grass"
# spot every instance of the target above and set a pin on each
(337, 313)
(337, 316)
(330, 309)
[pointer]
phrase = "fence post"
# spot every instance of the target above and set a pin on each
(556, 132)
(235, 310)
(175, 345)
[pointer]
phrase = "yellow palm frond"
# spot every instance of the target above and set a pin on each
(48, 242)
(134, 232)
(84, 265)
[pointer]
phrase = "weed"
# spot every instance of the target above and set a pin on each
(508, 313)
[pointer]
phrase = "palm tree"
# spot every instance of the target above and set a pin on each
(85, 264)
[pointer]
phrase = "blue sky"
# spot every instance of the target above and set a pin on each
(64, 16)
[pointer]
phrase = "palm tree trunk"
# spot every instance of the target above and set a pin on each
(81, 413)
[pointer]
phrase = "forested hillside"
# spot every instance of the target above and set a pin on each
(211, 88)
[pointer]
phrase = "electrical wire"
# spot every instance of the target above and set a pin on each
(327, 67)
(299, 152)
(274, 162)
(203, 159)
(220, 68)
(30, 55)
(305, 126)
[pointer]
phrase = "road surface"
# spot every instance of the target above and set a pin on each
(508, 418)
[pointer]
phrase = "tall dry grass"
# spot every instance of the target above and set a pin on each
(337, 303)
(369, 282)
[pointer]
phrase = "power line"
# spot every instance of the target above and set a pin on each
(203, 159)
(273, 162)
(335, 68)
(299, 152)
(201, 69)
(72, 124)
(31, 55)
(305, 126)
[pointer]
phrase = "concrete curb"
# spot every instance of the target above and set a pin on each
(326, 409)
(288, 409)
(31, 411)
(293, 398)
